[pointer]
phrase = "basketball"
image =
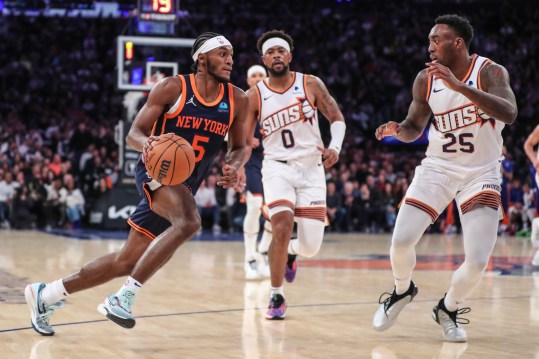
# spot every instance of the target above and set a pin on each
(171, 160)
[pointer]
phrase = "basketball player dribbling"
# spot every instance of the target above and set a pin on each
(533, 156)
(200, 107)
(256, 262)
(471, 100)
(294, 158)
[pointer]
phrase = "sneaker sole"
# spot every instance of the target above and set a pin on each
(274, 318)
(122, 322)
(29, 296)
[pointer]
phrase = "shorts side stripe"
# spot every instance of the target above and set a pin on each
(487, 198)
(139, 229)
(424, 207)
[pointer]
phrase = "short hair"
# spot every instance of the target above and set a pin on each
(274, 33)
(459, 24)
(200, 40)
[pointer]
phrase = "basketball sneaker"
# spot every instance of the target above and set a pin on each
(276, 308)
(389, 309)
(118, 309)
(40, 313)
(449, 321)
(251, 269)
(291, 268)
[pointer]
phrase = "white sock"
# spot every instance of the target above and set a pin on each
(293, 246)
(267, 235)
(278, 290)
(131, 284)
(54, 292)
(451, 303)
(249, 242)
(402, 285)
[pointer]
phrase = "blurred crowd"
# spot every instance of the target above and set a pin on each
(60, 103)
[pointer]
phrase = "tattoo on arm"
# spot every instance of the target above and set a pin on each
(326, 103)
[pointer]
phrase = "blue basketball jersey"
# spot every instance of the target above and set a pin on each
(204, 125)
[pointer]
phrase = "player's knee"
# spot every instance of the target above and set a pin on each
(477, 265)
(311, 248)
(402, 241)
(188, 226)
(282, 229)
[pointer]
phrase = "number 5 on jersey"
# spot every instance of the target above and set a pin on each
(199, 149)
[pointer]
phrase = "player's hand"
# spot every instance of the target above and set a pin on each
(387, 129)
(255, 143)
(148, 145)
(229, 177)
(242, 181)
(329, 156)
(443, 73)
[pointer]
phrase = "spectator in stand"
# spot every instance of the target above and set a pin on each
(516, 207)
(73, 199)
(56, 165)
(207, 203)
(23, 216)
(7, 192)
(334, 207)
(54, 207)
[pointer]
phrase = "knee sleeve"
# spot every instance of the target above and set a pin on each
(251, 223)
(310, 235)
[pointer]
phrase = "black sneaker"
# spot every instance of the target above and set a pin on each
(389, 309)
(449, 321)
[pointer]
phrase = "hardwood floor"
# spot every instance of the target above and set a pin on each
(200, 306)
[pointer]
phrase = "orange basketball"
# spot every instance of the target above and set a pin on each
(171, 160)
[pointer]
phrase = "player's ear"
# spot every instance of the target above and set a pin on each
(202, 59)
(459, 43)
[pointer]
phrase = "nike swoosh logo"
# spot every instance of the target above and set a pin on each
(265, 98)
(320, 164)
(435, 90)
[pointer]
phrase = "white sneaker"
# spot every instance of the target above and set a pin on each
(450, 322)
(251, 269)
(535, 232)
(389, 309)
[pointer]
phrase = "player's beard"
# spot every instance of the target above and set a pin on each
(211, 71)
(280, 73)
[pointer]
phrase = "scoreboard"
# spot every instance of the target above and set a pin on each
(158, 10)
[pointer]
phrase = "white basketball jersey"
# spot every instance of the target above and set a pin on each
(461, 133)
(288, 120)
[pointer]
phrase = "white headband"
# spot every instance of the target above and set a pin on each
(275, 41)
(211, 44)
(256, 69)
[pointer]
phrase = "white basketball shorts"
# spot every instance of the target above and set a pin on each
(435, 185)
(296, 185)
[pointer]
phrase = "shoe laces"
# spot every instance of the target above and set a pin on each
(45, 317)
(455, 316)
(126, 300)
(276, 301)
(388, 302)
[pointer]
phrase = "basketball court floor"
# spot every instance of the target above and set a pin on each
(200, 306)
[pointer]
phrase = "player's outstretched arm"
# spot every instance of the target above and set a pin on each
(531, 141)
(162, 95)
(330, 109)
(418, 115)
(236, 141)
